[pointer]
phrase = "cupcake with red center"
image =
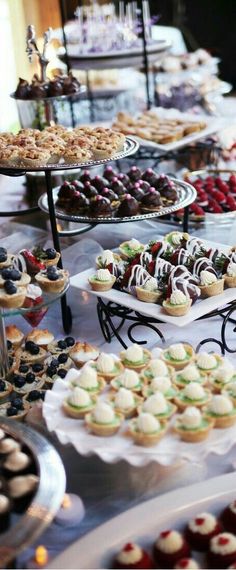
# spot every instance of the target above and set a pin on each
(187, 563)
(132, 556)
(169, 548)
(222, 551)
(201, 529)
(228, 517)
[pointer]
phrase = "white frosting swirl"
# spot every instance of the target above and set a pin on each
(87, 378)
(190, 373)
(231, 269)
(33, 291)
(155, 404)
(147, 423)
(204, 523)
(160, 384)
(103, 275)
(129, 379)
(206, 361)
(218, 544)
(103, 413)
(105, 363)
(177, 351)
(17, 461)
(124, 399)
(151, 284)
(79, 398)
(107, 257)
(158, 367)
(220, 405)
(207, 278)
(20, 486)
(191, 417)
(178, 298)
(225, 372)
(134, 353)
(194, 391)
(169, 543)
(130, 554)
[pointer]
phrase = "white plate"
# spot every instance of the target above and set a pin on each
(199, 309)
(143, 523)
(213, 125)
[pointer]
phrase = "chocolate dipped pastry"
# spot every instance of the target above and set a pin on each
(23, 89)
(99, 183)
(151, 200)
(203, 264)
(70, 85)
(85, 176)
(78, 185)
(161, 182)
(128, 207)
(144, 185)
(118, 187)
(150, 176)
(38, 90)
(136, 191)
(109, 173)
(65, 194)
(110, 194)
(134, 173)
(55, 87)
(79, 203)
(100, 207)
(89, 190)
(123, 178)
(169, 192)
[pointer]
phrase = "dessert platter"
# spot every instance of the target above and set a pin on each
(167, 129)
(32, 487)
(176, 279)
(167, 539)
(141, 408)
(118, 197)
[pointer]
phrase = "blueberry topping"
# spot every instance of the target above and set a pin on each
(11, 411)
(62, 344)
(54, 362)
(29, 344)
(6, 273)
(31, 347)
(62, 372)
(17, 403)
(2, 386)
(53, 276)
(70, 341)
(9, 287)
(62, 358)
(33, 396)
(51, 370)
(12, 274)
(30, 377)
(51, 253)
(19, 381)
(3, 257)
(23, 368)
(3, 250)
(9, 345)
(34, 350)
(37, 367)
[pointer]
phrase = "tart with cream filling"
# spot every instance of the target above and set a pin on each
(14, 335)
(158, 406)
(222, 376)
(30, 353)
(24, 383)
(157, 367)
(89, 380)
(5, 390)
(222, 550)
(210, 285)
(6, 259)
(160, 384)
(103, 420)
(146, 429)
(207, 363)
(126, 402)
(132, 557)
(14, 411)
(107, 366)
(41, 337)
(35, 397)
(230, 275)
(21, 490)
(149, 292)
(178, 304)
(82, 352)
(61, 345)
(52, 280)
(189, 374)
(12, 296)
(230, 391)
(201, 529)
(192, 395)
(131, 248)
(78, 403)
(102, 280)
(221, 410)
(129, 379)
(191, 426)
(176, 239)
(135, 357)
(169, 547)
(178, 355)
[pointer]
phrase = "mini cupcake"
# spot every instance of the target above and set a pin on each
(187, 563)
(14, 335)
(230, 275)
(108, 367)
(5, 513)
(78, 403)
(189, 374)
(222, 550)
(21, 490)
(52, 280)
(178, 355)
(102, 280)
(146, 429)
(126, 402)
(132, 557)
(82, 352)
(158, 406)
(210, 285)
(169, 548)
(201, 529)
(131, 248)
(103, 420)
(228, 517)
(177, 305)
(88, 379)
(191, 426)
(129, 379)
(192, 395)
(149, 292)
(207, 363)
(12, 296)
(31, 353)
(135, 357)
(222, 411)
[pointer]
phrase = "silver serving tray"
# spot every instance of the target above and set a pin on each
(131, 146)
(69, 97)
(186, 195)
(48, 498)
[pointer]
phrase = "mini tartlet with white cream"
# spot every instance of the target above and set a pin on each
(106, 258)
(89, 380)
(230, 275)
(108, 367)
(158, 406)
(157, 367)
(189, 374)
(161, 384)
(78, 403)
(192, 426)
(210, 285)
(102, 280)
(207, 362)
(135, 357)
(126, 402)
(129, 249)
(192, 395)
(222, 376)
(129, 379)
(104, 420)
(149, 292)
(222, 410)
(146, 430)
(178, 304)
(178, 355)
(82, 352)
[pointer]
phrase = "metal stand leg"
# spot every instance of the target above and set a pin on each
(186, 219)
(66, 312)
(145, 56)
(4, 363)
(90, 98)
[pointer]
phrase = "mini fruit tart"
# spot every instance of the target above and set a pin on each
(12, 296)
(61, 360)
(149, 292)
(160, 384)
(33, 157)
(130, 249)
(83, 352)
(76, 155)
(103, 420)
(88, 379)
(132, 557)
(221, 410)
(53, 374)
(16, 409)
(229, 276)
(178, 355)
(5, 390)
(207, 363)
(106, 258)
(35, 397)
(177, 305)
(52, 280)
(61, 345)
(201, 529)
(47, 256)
(135, 357)
(108, 367)
(192, 395)
(129, 379)
(14, 335)
(126, 402)
(22, 367)
(158, 406)
(192, 426)
(20, 279)
(169, 547)
(6, 259)
(157, 367)
(146, 430)
(230, 391)
(102, 280)
(30, 353)
(78, 403)
(22, 384)
(189, 374)
(210, 285)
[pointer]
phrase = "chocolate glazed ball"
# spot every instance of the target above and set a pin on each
(128, 207)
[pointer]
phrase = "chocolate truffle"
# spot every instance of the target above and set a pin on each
(128, 207)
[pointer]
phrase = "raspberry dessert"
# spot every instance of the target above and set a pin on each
(222, 550)
(187, 564)
(33, 300)
(169, 548)
(131, 556)
(201, 529)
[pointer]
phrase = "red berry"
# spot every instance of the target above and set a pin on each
(197, 210)
(165, 533)
(222, 540)
(232, 179)
(199, 521)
